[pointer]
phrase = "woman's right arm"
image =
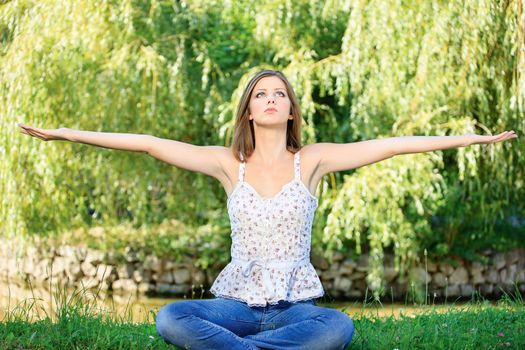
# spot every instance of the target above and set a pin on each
(120, 141)
(205, 159)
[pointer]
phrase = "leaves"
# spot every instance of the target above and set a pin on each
(362, 70)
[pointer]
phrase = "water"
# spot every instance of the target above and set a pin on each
(42, 303)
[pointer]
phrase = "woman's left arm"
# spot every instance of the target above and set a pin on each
(337, 157)
(418, 144)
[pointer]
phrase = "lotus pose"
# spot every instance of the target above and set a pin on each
(266, 296)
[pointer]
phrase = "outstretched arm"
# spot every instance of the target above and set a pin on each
(120, 141)
(346, 156)
(204, 159)
(419, 144)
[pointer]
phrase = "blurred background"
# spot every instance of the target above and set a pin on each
(176, 69)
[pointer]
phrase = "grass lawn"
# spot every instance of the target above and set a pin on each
(76, 324)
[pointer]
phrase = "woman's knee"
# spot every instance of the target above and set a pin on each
(163, 320)
(342, 328)
(168, 315)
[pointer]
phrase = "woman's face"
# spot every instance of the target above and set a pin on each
(269, 102)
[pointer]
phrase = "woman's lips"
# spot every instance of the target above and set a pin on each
(269, 110)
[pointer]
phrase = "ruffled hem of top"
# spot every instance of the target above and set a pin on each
(232, 284)
(218, 295)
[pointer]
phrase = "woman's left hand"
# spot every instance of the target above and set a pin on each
(486, 139)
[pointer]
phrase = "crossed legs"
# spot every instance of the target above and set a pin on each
(229, 324)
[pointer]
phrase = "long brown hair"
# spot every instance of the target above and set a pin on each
(244, 135)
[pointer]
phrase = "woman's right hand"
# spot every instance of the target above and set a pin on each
(44, 134)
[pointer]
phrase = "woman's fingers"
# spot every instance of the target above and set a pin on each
(506, 135)
(35, 132)
(32, 131)
(40, 135)
(503, 136)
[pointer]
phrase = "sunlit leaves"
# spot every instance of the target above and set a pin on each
(361, 69)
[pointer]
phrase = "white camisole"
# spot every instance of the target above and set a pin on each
(271, 240)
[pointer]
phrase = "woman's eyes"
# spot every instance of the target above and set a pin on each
(259, 94)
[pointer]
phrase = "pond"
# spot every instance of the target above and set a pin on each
(37, 303)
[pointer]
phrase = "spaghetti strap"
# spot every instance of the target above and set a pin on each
(241, 168)
(297, 166)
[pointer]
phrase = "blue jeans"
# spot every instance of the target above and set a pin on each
(222, 323)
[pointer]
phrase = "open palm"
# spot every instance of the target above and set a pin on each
(43, 134)
(486, 139)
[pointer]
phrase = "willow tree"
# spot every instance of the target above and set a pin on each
(362, 70)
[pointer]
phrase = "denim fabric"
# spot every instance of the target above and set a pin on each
(222, 323)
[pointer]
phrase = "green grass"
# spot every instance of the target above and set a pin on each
(77, 324)
(490, 328)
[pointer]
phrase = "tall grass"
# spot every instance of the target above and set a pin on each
(78, 322)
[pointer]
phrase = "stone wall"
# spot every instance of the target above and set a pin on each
(344, 278)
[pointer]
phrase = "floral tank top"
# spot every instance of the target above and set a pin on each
(271, 240)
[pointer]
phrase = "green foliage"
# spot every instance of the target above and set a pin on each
(362, 70)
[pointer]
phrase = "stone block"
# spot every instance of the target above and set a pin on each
(446, 269)
(66, 251)
(357, 275)
(337, 256)
(477, 278)
(512, 274)
(125, 285)
(88, 269)
(104, 272)
(198, 278)
(477, 267)
(88, 282)
(498, 261)
(335, 267)
(520, 276)
(166, 277)
(439, 279)
(466, 290)
(319, 262)
(138, 275)
(59, 266)
(80, 253)
(431, 266)
(162, 288)
(145, 287)
(486, 289)
(453, 290)
(355, 293)
(492, 276)
(390, 274)
(152, 263)
(342, 283)
(362, 263)
(94, 256)
(459, 276)
(512, 256)
(179, 289)
(181, 276)
(125, 271)
(419, 275)
(330, 274)
(73, 270)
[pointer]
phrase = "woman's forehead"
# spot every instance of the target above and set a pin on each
(270, 83)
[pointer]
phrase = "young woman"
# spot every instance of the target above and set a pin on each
(265, 297)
